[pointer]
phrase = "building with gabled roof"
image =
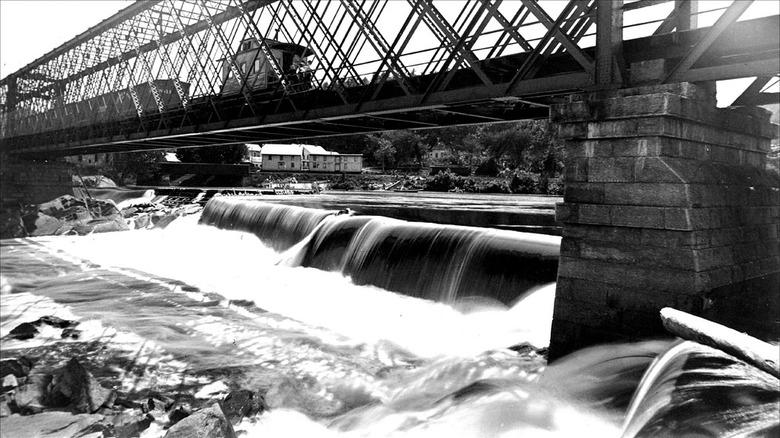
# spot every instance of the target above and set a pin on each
(305, 157)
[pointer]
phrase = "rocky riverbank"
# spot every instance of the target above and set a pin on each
(58, 390)
(71, 215)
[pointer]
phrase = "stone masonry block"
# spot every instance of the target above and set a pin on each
(628, 275)
(611, 170)
(663, 170)
(576, 169)
(595, 214)
(585, 291)
(674, 239)
(586, 193)
(638, 217)
(604, 233)
(646, 194)
(677, 219)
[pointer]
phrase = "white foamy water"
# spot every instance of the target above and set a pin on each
(238, 266)
(334, 358)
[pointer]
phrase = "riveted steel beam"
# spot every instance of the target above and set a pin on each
(729, 17)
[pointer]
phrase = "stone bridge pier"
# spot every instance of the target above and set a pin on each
(667, 203)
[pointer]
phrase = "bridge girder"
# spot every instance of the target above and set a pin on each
(154, 75)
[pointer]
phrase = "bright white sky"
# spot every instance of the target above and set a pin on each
(31, 28)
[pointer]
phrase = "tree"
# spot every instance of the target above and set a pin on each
(144, 166)
(226, 154)
(384, 153)
(408, 145)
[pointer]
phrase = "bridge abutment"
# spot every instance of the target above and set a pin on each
(667, 203)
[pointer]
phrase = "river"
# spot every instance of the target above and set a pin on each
(361, 326)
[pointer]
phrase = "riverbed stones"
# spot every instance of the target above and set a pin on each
(209, 422)
(23, 331)
(18, 367)
(56, 425)
(241, 404)
(75, 386)
(30, 398)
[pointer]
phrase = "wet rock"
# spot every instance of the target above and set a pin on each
(106, 224)
(9, 382)
(209, 422)
(75, 386)
(71, 333)
(30, 398)
(11, 225)
(40, 224)
(18, 367)
(179, 412)
(156, 408)
(56, 425)
(23, 331)
(131, 425)
(128, 212)
(241, 404)
(166, 220)
(55, 321)
(143, 221)
(5, 410)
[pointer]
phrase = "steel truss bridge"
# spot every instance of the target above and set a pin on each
(154, 75)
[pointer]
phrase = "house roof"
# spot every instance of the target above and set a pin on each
(317, 150)
(253, 147)
(282, 149)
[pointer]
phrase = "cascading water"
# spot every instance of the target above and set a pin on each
(279, 226)
(192, 308)
(437, 262)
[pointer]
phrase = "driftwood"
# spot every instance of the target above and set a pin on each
(754, 351)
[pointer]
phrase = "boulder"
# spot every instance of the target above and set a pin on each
(179, 412)
(9, 382)
(40, 224)
(156, 407)
(23, 331)
(11, 225)
(18, 367)
(143, 221)
(56, 321)
(166, 220)
(5, 410)
(209, 422)
(131, 425)
(74, 386)
(30, 398)
(56, 425)
(242, 403)
(114, 222)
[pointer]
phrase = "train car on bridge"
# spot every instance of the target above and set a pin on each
(259, 74)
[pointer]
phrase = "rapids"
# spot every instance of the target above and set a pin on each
(363, 326)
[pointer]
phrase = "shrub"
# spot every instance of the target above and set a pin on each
(525, 182)
(442, 182)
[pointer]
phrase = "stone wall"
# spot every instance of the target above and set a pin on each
(667, 203)
(23, 182)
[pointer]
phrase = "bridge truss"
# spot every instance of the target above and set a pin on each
(155, 75)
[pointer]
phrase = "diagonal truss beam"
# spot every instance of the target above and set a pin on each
(555, 27)
(728, 18)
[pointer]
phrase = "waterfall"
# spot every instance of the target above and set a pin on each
(444, 263)
(278, 226)
(695, 390)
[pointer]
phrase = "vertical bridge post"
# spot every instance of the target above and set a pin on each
(667, 204)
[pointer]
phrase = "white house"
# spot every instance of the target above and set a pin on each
(305, 157)
(254, 154)
(287, 157)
